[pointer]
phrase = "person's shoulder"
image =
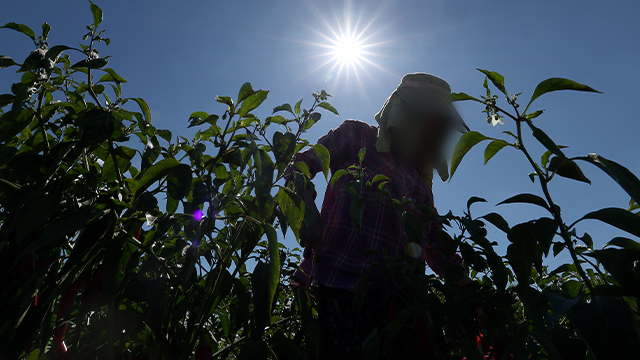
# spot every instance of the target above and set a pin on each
(359, 126)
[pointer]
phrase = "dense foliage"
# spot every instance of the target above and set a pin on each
(119, 240)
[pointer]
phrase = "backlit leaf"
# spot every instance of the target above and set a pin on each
(324, 157)
(493, 148)
(325, 105)
(252, 101)
(496, 79)
(527, 199)
(620, 218)
(556, 84)
(21, 28)
(97, 14)
(625, 178)
(467, 141)
(567, 168)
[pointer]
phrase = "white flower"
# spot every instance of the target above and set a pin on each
(496, 119)
(150, 219)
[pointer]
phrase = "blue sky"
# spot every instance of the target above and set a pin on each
(179, 55)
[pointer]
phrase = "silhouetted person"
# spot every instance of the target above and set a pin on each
(406, 146)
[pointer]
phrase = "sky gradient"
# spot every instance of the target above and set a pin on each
(180, 55)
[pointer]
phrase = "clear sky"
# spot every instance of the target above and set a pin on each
(179, 54)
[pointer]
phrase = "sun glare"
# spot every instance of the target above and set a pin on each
(348, 44)
(347, 50)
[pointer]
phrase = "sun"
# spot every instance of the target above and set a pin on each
(347, 50)
(347, 47)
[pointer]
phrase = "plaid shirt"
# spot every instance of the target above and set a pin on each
(343, 263)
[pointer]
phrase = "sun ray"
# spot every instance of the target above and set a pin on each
(348, 47)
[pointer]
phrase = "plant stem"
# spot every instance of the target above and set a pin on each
(554, 209)
(115, 164)
(40, 121)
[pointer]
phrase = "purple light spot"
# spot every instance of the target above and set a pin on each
(198, 215)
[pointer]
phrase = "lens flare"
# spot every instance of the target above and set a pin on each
(412, 250)
(198, 215)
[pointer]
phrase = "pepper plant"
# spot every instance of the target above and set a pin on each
(120, 240)
(516, 307)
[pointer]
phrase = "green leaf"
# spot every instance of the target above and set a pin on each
(521, 251)
(620, 263)
(496, 79)
(467, 141)
(35, 60)
(293, 210)
(283, 146)
(620, 218)
(534, 114)
(252, 101)
(6, 61)
(412, 227)
(545, 140)
(544, 159)
(46, 28)
(361, 153)
(625, 178)
(144, 107)
(544, 231)
(624, 243)
(260, 283)
(559, 303)
(493, 148)
(224, 100)
(179, 181)
(153, 174)
(296, 108)
(245, 91)
(337, 175)
(264, 183)
(356, 212)
(6, 99)
(278, 119)
(304, 168)
(555, 84)
(198, 115)
(607, 325)
(526, 198)
(97, 14)
(201, 117)
(472, 200)
(530, 241)
(324, 157)
(53, 53)
(111, 76)
(567, 168)
(274, 262)
(498, 221)
(325, 105)
(283, 107)
(91, 63)
(461, 97)
(21, 28)
(379, 177)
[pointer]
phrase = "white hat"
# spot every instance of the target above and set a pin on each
(423, 94)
